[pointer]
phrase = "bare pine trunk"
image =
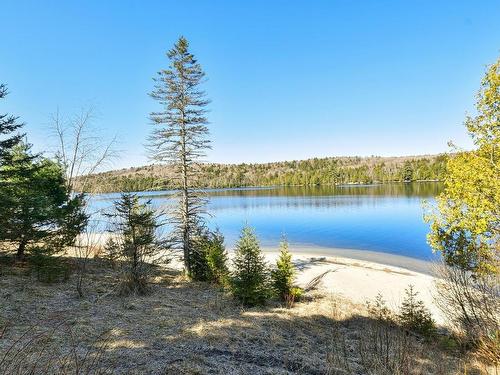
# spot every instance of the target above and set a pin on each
(185, 206)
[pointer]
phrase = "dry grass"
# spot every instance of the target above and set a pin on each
(183, 327)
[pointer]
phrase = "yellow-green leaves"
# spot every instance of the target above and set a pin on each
(465, 223)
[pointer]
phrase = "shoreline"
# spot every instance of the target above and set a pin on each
(361, 280)
(384, 259)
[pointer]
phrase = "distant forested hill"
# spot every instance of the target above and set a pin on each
(317, 171)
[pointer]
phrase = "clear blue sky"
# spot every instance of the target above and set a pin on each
(287, 79)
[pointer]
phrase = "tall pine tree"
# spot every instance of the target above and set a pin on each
(181, 138)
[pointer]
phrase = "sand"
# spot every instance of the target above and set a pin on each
(361, 280)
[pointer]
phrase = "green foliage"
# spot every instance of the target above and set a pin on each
(414, 316)
(37, 206)
(47, 268)
(216, 256)
(283, 276)
(180, 138)
(112, 251)
(8, 127)
(378, 309)
(311, 172)
(465, 225)
(407, 172)
(210, 264)
(136, 242)
(250, 280)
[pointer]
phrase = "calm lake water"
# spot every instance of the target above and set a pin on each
(381, 218)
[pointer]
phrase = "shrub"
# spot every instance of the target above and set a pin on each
(136, 243)
(283, 277)
(111, 252)
(47, 268)
(378, 309)
(414, 316)
(210, 262)
(216, 256)
(250, 278)
(471, 307)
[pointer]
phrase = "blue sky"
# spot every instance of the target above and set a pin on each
(287, 79)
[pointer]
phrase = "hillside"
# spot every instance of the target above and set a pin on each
(317, 171)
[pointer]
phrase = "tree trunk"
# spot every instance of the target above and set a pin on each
(21, 249)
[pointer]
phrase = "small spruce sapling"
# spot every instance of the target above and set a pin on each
(283, 276)
(250, 278)
(414, 316)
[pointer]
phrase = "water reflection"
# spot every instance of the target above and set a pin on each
(385, 218)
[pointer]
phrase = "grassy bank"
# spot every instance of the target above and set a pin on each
(183, 327)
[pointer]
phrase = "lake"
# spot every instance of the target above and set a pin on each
(370, 218)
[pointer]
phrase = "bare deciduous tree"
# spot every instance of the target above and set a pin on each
(82, 151)
(471, 305)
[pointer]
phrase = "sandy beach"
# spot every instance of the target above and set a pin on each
(358, 275)
(360, 280)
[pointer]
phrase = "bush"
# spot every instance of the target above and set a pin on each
(210, 262)
(111, 252)
(216, 256)
(378, 309)
(250, 278)
(48, 269)
(471, 307)
(283, 277)
(414, 316)
(136, 242)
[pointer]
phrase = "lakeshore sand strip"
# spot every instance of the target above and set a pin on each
(361, 280)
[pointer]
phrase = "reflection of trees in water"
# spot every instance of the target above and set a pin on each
(296, 202)
(295, 197)
(416, 189)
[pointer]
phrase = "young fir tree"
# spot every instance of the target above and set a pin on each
(181, 138)
(136, 244)
(40, 209)
(283, 275)
(216, 256)
(414, 316)
(250, 279)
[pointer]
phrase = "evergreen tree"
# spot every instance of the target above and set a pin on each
(181, 139)
(283, 276)
(136, 244)
(407, 172)
(8, 125)
(250, 279)
(217, 258)
(40, 209)
(414, 316)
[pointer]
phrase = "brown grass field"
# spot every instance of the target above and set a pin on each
(183, 327)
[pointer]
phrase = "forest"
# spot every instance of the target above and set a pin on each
(312, 172)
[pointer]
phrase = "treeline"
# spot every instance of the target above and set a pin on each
(311, 172)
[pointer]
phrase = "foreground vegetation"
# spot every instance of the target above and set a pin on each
(318, 171)
(185, 327)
